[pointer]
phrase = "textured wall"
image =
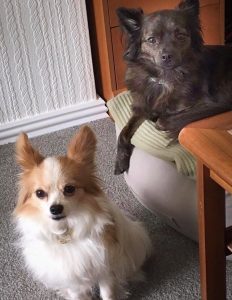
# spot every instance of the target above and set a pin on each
(45, 58)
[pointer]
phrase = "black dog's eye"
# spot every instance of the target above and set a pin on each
(69, 190)
(181, 36)
(40, 194)
(151, 40)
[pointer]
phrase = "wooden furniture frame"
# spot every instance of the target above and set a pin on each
(107, 42)
(209, 141)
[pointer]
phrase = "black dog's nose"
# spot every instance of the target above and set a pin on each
(166, 57)
(56, 209)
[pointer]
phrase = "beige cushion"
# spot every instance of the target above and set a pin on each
(158, 185)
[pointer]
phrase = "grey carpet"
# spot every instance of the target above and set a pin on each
(171, 274)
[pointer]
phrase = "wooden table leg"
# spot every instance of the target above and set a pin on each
(211, 213)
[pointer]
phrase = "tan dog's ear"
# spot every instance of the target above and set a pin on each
(83, 146)
(26, 156)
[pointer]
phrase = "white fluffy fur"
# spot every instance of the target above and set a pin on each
(73, 268)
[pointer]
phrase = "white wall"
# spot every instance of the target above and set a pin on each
(46, 74)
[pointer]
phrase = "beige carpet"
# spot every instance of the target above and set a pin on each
(171, 274)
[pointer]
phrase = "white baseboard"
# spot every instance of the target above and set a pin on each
(55, 120)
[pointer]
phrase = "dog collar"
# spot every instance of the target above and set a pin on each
(65, 237)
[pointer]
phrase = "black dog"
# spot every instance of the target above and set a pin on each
(173, 78)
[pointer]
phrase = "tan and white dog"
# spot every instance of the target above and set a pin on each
(72, 236)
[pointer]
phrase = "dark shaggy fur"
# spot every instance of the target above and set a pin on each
(173, 78)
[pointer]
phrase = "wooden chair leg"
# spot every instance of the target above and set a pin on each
(228, 249)
(211, 210)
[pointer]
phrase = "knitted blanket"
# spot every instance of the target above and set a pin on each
(149, 139)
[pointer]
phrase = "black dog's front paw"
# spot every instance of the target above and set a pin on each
(122, 162)
(121, 166)
(159, 125)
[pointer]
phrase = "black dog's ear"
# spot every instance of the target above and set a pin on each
(130, 18)
(190, 5)
(192, 9)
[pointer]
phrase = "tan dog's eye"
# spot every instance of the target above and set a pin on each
(40, 194)
(69, 190)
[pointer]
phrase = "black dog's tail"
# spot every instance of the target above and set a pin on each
(174, 123)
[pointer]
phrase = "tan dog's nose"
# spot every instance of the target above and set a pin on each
(56, 209)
